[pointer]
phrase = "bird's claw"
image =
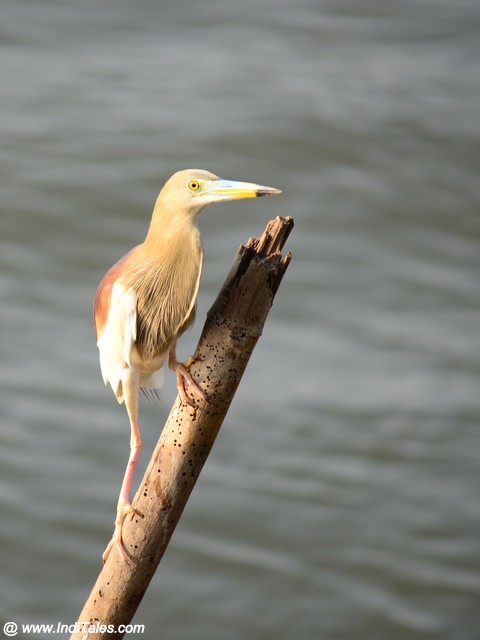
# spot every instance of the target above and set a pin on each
(117, 538)
(185, 379)
(189, 361)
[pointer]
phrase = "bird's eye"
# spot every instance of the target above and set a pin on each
(194, 185)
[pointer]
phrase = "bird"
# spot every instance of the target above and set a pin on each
(147, 300)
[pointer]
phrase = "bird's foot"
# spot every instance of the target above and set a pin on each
(117, 539)
(185, 380)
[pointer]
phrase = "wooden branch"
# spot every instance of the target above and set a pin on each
(233, 326)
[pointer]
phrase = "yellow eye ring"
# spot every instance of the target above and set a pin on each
(194, 185)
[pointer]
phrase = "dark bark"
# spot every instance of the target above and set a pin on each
(233, 326)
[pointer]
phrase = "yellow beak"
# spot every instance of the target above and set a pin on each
(221, 190)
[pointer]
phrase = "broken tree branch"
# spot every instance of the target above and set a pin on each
(233, 326)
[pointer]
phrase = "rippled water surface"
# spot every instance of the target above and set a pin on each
(341, 498)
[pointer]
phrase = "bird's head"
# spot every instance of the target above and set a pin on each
(191, 190)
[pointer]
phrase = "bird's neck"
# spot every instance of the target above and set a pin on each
(172, 232)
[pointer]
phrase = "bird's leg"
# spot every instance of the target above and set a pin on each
(131, 383)
(184, 377)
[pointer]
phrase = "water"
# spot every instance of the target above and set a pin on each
(341, 498)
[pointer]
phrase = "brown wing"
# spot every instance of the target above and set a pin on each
(101, 304)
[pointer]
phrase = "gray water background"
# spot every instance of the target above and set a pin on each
(341, 499)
